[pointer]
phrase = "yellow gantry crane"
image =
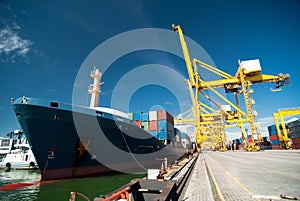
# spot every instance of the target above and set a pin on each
(248, 73)
(284, 140)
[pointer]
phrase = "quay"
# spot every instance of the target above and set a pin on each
(238, 175)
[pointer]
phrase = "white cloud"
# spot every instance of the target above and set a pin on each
(12, 45)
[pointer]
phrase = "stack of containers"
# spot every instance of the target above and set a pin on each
(137, 118)
(145, 121)
(294, 133)
(153, 128)
(249, 138)
(178, 134)
(165, 126)
(274, 136)
(160, 124)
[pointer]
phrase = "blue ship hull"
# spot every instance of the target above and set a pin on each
(72, 141)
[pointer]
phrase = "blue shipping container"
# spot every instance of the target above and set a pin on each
(272, 127)
(154, 134)
(145, 116)
(163, 135)
(275, 142)
(137, 116)
(171, 136)
(162, 125)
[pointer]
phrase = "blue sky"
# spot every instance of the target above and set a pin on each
(44, 43)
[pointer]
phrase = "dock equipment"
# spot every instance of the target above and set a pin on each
(248, 73)
(284, 140)
(167, 189)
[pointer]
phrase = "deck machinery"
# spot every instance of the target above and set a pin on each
(248, 73)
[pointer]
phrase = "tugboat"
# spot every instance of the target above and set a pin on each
(84, 141)
(18, 154)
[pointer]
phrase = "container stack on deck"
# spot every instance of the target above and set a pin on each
(159, 124)
(274, 136)
(294, 133)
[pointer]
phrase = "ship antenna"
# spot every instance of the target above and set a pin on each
(94, 88)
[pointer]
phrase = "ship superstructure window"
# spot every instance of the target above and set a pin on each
(53, 104)
(100, 114)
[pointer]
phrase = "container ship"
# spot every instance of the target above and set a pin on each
(75, 141)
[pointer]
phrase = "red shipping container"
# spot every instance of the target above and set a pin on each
(164, 115)
(250, 140)
(273, 137)
(276, 147)
(153, 125)
(296, 146)
(296, 140)
(138, 123)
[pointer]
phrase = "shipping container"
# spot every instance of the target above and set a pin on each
(275, 142)
(295, 128)
(145, 116)
(152, 115)
(274, 137)
(164, 115)
(272, 127)
(164, 125)
(296, 140)
(294, 123)
(276, 147)
(250, 140)
(153, 125)
(170, 127)
(130, 115)
(138, 123)
(154, 133)
(294, 135)
(163, 135)
(237, 141)
(296, 143)
(137, 116)
(145, 126)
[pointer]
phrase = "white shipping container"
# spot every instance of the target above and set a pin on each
(152, 115)
(251, 66)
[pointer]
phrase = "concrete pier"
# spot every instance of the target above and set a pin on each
(238, 175)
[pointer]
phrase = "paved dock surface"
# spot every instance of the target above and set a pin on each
(239, 175)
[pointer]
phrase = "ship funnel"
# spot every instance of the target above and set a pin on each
(94, 88)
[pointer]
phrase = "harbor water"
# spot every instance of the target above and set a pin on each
(58, 189)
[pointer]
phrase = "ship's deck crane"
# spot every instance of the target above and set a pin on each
(248, 73)
(284, 140)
